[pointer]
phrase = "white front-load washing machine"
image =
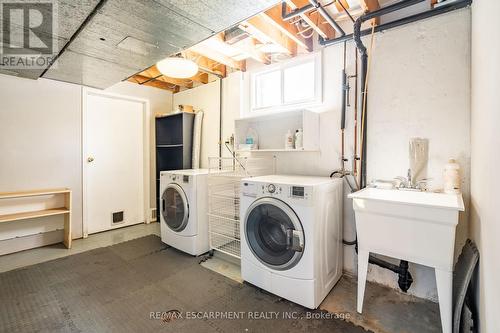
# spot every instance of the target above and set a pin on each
(291, 236)
(183, 210)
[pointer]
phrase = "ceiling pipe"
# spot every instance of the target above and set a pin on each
(406, 20)
(295, 13)
(327, 17)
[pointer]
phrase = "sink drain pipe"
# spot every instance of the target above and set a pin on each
(404, 277)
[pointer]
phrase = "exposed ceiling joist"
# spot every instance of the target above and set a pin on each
(268, 34)
(273, 17)
(370, 6)
(249, 47)
(294, 4)
(153, 72)
(257, 38)
(200, 78)
(151, 82)
(218, 56)
(339, 6)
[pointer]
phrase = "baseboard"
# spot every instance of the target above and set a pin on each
(30, 242)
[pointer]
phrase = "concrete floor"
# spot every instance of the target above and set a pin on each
(385, 310)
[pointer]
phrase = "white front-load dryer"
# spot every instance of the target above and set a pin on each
(183, 210)
(291, 236)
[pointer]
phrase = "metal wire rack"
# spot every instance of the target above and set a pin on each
(224, 180)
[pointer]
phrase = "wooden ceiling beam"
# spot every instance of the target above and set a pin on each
(249, 47)
(339, 6)
(313, 19)
(154, 83)
(219, 57)
(370, 6)
(200, 78)
(206, 65)
(273, 17)
(154, 72)
(266, 33)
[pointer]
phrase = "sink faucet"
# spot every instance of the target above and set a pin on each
(406, 183)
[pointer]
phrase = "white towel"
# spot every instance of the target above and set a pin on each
(198, 120)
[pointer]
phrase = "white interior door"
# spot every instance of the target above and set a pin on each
(115, 162)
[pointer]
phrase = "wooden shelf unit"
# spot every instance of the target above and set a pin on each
(66, 210)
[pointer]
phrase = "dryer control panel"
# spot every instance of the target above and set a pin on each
(180, 179)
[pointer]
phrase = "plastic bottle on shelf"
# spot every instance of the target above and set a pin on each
(299, 139)
(452, 177)
(289, 140)
(252, 139)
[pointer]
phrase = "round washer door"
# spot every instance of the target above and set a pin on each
(274, 233)
(174, 207)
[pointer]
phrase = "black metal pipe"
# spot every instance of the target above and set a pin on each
(364, 67)
(389, 9)
(405, 279)
(344, 93)
(297, 12)
(327, 17)
(396, 23)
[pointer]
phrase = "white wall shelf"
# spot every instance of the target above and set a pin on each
(272, 129)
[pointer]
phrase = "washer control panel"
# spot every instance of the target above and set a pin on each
(278, 190)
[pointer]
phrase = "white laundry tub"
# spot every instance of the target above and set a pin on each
(410, 225)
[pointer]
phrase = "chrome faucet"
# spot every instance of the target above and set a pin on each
(406, 183)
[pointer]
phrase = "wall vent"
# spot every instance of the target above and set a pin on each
(153, 215)
(117, 217)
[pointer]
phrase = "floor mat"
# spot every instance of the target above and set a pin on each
(143, 286)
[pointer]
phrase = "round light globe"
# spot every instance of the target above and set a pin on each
(179, 68)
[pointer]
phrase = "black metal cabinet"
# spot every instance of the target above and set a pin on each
(174, 144)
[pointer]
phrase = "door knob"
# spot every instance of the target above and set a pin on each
(90, 159)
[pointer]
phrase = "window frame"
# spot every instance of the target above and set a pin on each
(316, 100)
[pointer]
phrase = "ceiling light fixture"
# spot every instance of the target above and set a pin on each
(179, 68)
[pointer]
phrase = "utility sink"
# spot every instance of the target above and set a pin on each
(410, 225)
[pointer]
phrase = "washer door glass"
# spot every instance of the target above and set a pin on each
(174, 207)
(274, 233)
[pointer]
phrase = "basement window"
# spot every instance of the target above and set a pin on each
(295, 83)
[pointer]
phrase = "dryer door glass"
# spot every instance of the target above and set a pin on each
(274, 233)
(174, 207)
